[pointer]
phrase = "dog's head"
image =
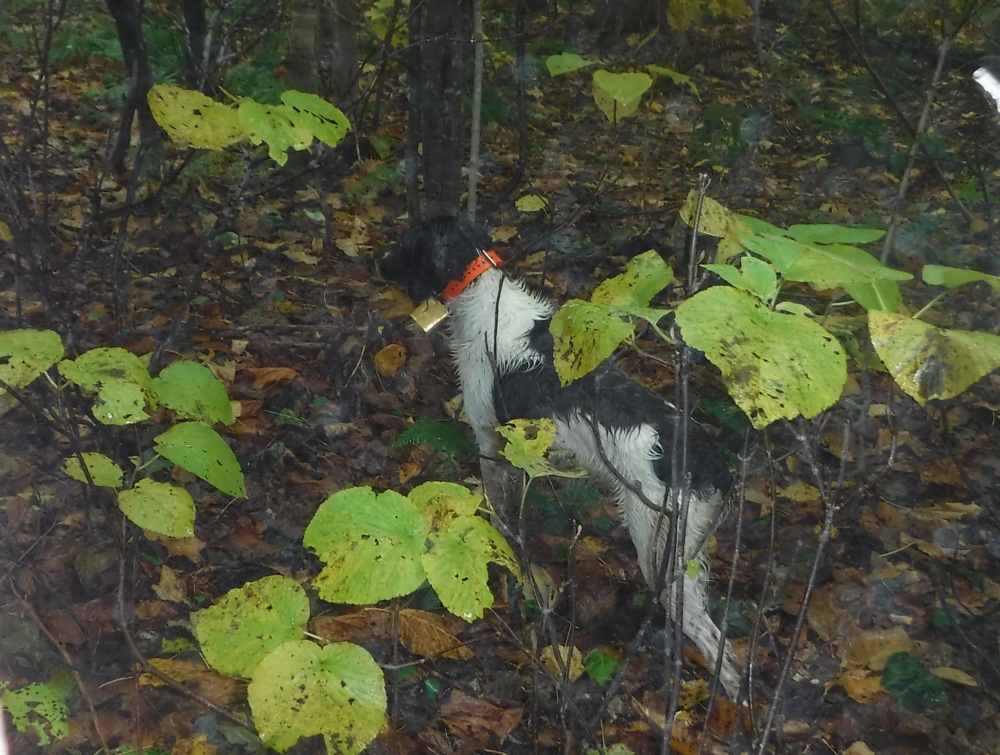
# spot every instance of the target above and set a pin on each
(431, 254)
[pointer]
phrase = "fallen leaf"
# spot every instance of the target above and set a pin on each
(430, 635)
(859, 684)
(800, 492)
(188, 547)
(563, 661)
(390, 359)
(171, 586)
(196, 745)
(357, 626)
(942, 471)
(954, 675)
(266, 377)
(872, 649)
(64, 628)
(463, 714)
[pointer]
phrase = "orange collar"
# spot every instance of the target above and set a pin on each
(483, 262)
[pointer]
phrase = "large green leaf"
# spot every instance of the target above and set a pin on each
(40, 709)
(271, 125)
(438, 501)
(586, 333)
(565, 62)
(775, 365)
(317, 116)
(301, 690)
(618, 94)
(194, 392)
(103, 471)
(203, 452)
(120, 378)
(827, 233)
(830, 264)
(249, 622)
(456, 564)
(929, 362)
(26, 354)
(159, 507)
(193, 119)
(370, 544)
(882, 295)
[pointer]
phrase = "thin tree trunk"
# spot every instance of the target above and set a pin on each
(195, 33)
(128, 22)
(444, 80)
(411, 150)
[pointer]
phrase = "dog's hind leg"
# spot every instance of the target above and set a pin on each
(701, 630)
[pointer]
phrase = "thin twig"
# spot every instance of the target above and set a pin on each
(84, 689)
(152, 670)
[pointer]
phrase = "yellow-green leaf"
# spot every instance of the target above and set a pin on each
(159, 507)
(531, 203)
(529, 443)
(565, 62)
(103, 471)
(618, 94)
(950, 277)
(193, 119)
(929, 362)
(775, 365)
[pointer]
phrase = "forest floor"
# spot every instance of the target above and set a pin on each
(328, 371)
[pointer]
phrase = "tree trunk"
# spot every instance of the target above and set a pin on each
(323, 50)
(195, 33)
(444, 85)
(128, 21)
(338, 53)
(301, 59)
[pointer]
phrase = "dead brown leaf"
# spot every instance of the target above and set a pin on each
(356, 626)
(562, 662)
(464, 714)
(871, 649)
(171, 586)
(942, 471)
(64, 628)
(390, 359)
(188, 547)
(267, 377)
(430, 635)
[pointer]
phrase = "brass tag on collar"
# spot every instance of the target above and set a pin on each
(429, 314)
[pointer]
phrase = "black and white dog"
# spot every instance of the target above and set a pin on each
(620, 432)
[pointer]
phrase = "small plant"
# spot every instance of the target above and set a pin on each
(910, 685)
(440, 437)
(40, 708)
(124, 392)
(195, 120)
(375, 547)
(776, 360)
